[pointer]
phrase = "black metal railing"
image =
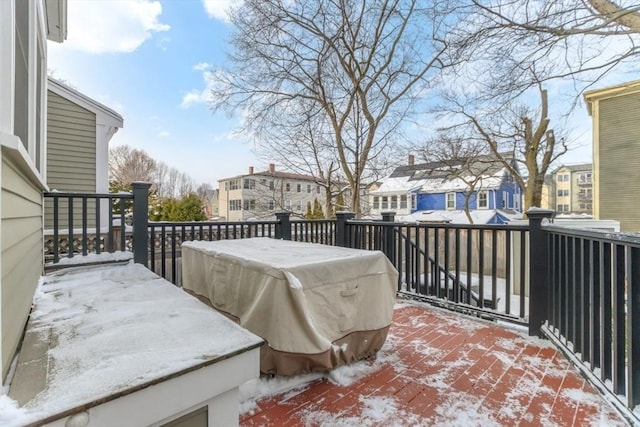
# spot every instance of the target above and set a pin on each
(476, 268)
(593, 309)
(166, 238)
(86, 223)
(314, 231)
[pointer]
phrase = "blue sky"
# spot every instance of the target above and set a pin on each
(148, 60)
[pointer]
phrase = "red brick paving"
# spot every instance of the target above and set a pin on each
(442, 368)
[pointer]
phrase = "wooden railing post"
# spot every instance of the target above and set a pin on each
(140, 222)
(538, 269)
(283, 226)
(341, 227)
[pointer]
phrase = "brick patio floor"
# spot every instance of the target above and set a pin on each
(439, 368)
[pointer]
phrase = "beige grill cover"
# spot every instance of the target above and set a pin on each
(302, 298)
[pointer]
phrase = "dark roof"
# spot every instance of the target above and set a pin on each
(482, 165)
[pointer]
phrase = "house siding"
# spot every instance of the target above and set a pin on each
(71, 154)
(21, 245)
(619, 145)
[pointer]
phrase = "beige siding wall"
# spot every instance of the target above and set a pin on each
(71, 154)
(619, 155)
(21, 245)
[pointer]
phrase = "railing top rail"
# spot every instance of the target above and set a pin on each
(89, 195)
(319, 221)
(512, 227)
(632, 239)
(207, 223)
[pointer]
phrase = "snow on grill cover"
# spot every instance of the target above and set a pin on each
(317, 306)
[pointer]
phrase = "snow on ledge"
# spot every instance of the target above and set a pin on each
(117, 329)
(104, 257)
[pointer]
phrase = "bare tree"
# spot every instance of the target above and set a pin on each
(308, 151)
(185, 185)
(465, 160)
(160, 180)
(127, 165)
(363, 66)
(579, 39)
(515, 134)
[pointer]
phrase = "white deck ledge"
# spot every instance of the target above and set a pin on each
(102, 335)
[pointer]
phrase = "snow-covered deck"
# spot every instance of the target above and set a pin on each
(437, 368)
(118, 345)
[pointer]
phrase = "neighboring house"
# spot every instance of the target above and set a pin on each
(573, 189)
(547, 198)
(78, 133)
(25, 26)
(262, 194)
(435, 187)
(210, 203)
(616, 153)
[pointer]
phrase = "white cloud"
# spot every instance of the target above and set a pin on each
(197, 96)
(218, 9)
(202, 66)
(112, 26)
(192, 97)
(163, 134)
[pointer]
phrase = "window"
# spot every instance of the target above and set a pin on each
(451, 200)
(585, 193)
(287, 204)
(394, 202)
(308, 188)
(403, 201)
(482, 200)
(287, 187)
(563, 193)
(249, 205)
(318, 189)
(505, 199)
(299, 206)
(376, 202)
(299, 188)
(414, 201)
(271, 186)
(235, 205)
(385, 202)
(234, 184)
(271, 205)
(562, 208)
(584, 178)
(249, 184)
(563, 178)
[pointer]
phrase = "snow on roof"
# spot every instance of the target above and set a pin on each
(439, 184)
(479, 216)
(117, 329)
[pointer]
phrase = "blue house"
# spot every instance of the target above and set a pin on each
(436, 191)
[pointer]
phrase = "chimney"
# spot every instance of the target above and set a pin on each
(272, 167)
(411, 159)
(250, 170)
